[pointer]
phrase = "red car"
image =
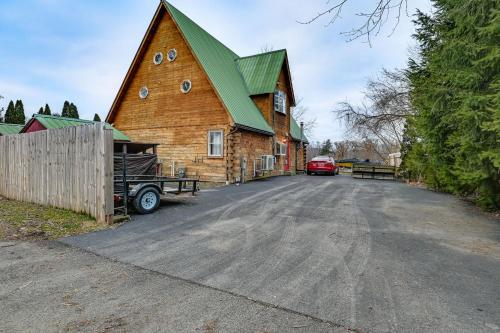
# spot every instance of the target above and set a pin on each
(322, 165)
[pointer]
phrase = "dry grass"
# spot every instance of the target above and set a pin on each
(27, 221)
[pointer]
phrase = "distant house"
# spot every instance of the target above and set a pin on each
(41, 122)
(395, 159)
(222, 117)
(9, 129)
(347, 162)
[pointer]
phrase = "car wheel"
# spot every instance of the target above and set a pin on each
(147, 201)
(308, 173)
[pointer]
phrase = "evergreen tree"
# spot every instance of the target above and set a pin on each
(97, 118)
(66, 112)
(326, 148)
(47, 110)
(74, 111)
(40, 111)
(10, 113)
(19, 117)
(1, 111)
(455, 90)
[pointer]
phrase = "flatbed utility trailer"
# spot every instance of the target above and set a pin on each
(144, 192)
(144, 187)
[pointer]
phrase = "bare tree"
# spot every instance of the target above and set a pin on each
(266, 48)
(374, 19)
(299, 113)
(381, 118)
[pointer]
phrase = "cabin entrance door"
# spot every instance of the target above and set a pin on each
(287, 157)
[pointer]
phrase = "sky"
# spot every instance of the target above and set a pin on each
(80, 51)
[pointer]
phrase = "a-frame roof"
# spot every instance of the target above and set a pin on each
(234, 79)
(219, 62)
(261, 71)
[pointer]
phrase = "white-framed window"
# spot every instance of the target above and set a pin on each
(280, 101)
(280, 149)
(215, 143)
(267, 162)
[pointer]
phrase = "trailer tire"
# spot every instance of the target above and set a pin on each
(147, 200)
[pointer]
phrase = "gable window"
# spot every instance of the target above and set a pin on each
(215, 143)
(172, 54)
(143, 92)
(158, 58)
(186, 86)
(280, 101)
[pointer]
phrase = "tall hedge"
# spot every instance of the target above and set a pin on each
(454, 137)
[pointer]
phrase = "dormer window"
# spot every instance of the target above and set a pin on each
(280, 101)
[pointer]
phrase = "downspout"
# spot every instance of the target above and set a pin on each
(302, 144)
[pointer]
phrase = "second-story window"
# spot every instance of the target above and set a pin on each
(280, 101)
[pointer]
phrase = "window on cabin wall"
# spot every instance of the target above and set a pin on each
(280, 101)
(215, 143)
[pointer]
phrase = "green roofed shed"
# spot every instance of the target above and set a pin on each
(9, 129)
(50, 122)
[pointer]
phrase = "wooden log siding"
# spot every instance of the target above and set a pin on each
(69, 168)
(178, 122)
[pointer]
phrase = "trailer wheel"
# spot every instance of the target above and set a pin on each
(147, 200)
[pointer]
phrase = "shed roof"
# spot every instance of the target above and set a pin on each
(9, 129)
(219, 62)
(296, 132)
(50, 122)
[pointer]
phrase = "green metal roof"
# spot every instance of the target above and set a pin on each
(261, 71)
(50, 122)
(220, 64)
(9, 129)
(296, 132)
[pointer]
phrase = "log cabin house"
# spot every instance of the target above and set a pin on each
(218, 116)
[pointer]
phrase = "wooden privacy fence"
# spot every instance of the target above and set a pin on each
(69, 168)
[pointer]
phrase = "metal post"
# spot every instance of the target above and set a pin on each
(125, 184)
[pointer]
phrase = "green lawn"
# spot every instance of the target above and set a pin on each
(20, 220)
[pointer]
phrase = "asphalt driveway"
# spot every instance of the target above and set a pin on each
(378, 256)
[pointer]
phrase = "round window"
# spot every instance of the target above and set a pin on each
(172, 54)
(143, 92)
(158, 58)
(186, 86)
